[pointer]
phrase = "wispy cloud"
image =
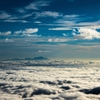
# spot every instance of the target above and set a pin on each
(57, 40)
(4, 15)
(14, 20)
(69, 22)
(66, 22)
(60, 28)
(20, 10)
(42, 51)
(8, 40)
(18, 32)
(47, 14)
(90, 24)
(5, 33)
(27, 32)
(37, 5)
(37, 22)
(73, 16)
(30, 31)
(64, 34)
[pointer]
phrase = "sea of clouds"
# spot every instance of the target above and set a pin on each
(49, 80)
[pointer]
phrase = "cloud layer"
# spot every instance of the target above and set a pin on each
(20, 80)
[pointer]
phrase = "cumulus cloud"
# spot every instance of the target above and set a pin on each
(30, 31)
(47, 14)
(5, 33)
(86, 34)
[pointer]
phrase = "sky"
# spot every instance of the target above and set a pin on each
(56, 29)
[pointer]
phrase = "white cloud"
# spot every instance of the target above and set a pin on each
(41, 51)
(34, 35)
(37, 5)
(5, 33)
(27, 15)
(57, 40)
(4, 15)
(47, 14)
(93, 26)
(64, 34)
(18, 32)
(8, 40)
(20, 10)
(66, 23)
(60, 29)
(14, 20)
(88, 24)
(37, 83)
(37, 22)
(30, 31)
(71, 16)
(68, 20)
(86, 33)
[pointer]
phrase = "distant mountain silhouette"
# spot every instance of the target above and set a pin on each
(40, 58)
(35, 58)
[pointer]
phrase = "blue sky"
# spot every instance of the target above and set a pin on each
(57, 29)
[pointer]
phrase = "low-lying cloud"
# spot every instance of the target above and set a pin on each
(18, 81)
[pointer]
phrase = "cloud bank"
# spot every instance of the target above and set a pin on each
(20, 81)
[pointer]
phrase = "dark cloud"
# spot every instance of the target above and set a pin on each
(94, 91)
